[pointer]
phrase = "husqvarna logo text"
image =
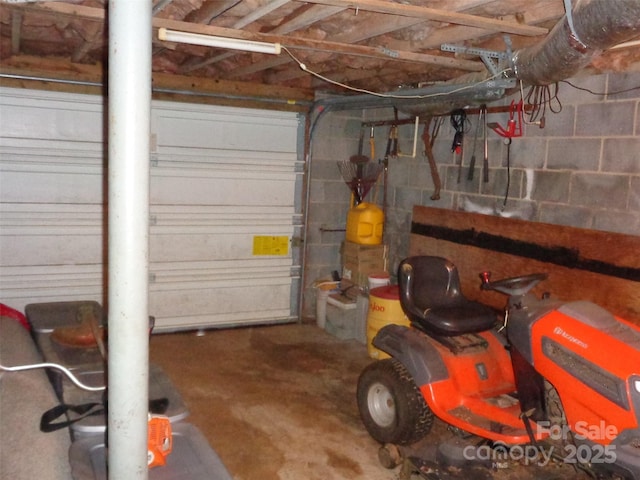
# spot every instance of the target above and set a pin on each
(568, 336)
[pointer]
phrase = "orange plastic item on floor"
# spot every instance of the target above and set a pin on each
(160, 440)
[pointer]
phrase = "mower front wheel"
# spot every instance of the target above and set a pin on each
(391, 406)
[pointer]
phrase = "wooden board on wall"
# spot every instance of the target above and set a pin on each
(582, 264)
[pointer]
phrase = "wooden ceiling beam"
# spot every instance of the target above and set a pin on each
(98, 14)
(306, 18)
(445, 16)
(541, 13)
(16, 27)
(258, 13)
(372, 27)
(62, 75)
(243, 22)
(210, 10)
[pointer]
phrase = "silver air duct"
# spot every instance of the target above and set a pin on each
(593, 27)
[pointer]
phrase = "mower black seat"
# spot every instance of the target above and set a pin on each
(431, 297)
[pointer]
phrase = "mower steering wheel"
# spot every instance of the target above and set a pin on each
(515, 286)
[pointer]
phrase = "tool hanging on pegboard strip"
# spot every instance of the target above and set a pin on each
(513, 130)
(391, 151)
(485, 159)
(472, 162)
(457, 119)
(428, 151)
(372, 143)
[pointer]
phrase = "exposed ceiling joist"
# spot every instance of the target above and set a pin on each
(97, 14)
(413, 11)
(363, 45)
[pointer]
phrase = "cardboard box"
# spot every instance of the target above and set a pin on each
(360, 261)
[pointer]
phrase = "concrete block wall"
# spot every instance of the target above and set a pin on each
(582, 169)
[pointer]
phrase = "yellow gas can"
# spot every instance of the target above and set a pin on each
(365, 223)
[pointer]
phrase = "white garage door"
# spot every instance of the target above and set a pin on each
(225, 213)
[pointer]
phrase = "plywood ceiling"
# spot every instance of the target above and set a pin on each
(377, 45)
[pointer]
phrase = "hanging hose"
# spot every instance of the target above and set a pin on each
(539, 98)
(457, 119)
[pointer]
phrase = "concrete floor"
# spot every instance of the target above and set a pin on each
(278, 403)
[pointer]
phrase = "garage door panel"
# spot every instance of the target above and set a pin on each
(53, 250)
(51, 234)
(51, 172)
(191, 217)
(21, 285)
(43, 116)
(41, 187)
(226, 128)
(221, 305)
(220, 178)
(189, 190)
(193, 247)
(198, 321)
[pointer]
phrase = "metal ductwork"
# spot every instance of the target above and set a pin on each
(593, 27)
(585, 32)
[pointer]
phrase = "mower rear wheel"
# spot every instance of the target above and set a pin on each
(391, 406)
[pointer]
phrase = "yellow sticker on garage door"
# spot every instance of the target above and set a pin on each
(268, 245)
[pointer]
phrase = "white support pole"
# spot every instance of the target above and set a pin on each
(128, 114)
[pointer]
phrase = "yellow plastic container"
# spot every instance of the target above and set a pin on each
(384, 309)
(365, 223)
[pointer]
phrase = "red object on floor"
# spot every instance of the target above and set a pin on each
(6, 311)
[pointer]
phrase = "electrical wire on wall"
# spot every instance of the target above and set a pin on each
(615, 92)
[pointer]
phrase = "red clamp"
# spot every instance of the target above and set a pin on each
(514, 125)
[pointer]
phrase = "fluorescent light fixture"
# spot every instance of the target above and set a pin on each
(218, 42)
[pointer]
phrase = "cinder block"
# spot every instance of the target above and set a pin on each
(341, 323)
(621, 155)
(595, 83)
(621, 222)
(605, 119)
(551, 186)
(624, 83)
(574, 154)
(599, 190)
(526, 152)
(634, 195)
(566, 215)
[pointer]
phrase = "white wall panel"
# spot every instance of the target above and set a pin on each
(219, 177)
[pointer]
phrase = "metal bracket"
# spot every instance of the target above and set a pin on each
(485, 55)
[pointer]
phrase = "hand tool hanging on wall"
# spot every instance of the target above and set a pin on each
(514, 125)
(457, 120)
(385, 172)
(372, 143)
(428, 150)
(485, 160)
(514, 129)
(472, 162)
(361, 140)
